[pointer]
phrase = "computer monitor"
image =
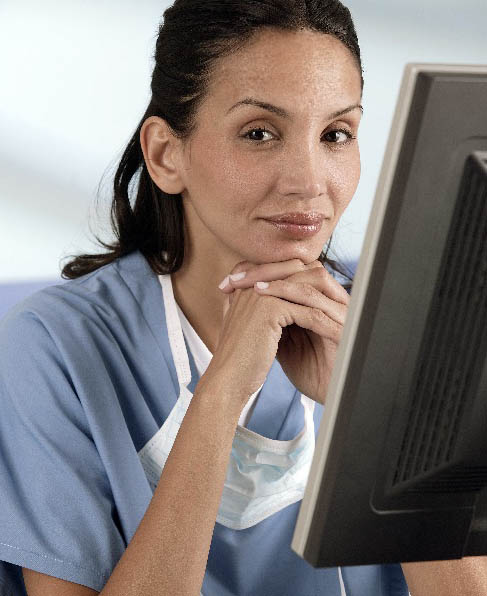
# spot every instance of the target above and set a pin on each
(400, 465)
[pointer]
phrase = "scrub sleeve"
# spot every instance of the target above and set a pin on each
(49, 460)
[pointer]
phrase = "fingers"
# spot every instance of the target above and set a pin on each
(295, 270)
(313, 319)
(264, 272)
(301, 303)
(306, 295)
(324, 282)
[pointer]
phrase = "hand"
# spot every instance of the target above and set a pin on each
(307, 356)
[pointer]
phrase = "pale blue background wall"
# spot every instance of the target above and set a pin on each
(74, 79)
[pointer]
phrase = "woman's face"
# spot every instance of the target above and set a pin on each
(307, 161)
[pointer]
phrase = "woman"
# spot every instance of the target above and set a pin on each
(158, 424)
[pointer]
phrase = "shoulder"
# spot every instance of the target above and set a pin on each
(79, 327)
(43, 330)
(68, 304)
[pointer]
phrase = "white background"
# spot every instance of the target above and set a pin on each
(75, 80)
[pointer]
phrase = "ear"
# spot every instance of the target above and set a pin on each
(162, 151)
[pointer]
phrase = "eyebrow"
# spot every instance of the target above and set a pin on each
(283, 113)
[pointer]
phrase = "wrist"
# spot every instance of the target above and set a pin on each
(214, 390)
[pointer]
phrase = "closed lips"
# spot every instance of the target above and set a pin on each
(302, 219)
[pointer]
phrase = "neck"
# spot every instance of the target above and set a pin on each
(195, 284)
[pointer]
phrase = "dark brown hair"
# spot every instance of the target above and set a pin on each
(192, 36)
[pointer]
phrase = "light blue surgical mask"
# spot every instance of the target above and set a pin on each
(263, 475)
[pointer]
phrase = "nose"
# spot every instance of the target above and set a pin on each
(304, 174)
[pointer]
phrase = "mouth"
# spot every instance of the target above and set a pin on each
(298, 218)
(296, 231)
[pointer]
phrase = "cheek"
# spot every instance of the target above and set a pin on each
(232, 191)
(355, 175)
(344, 179)
(243, 183)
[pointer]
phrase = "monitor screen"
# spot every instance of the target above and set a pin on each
(400, 465)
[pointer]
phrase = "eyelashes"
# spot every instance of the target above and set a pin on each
(261, 129)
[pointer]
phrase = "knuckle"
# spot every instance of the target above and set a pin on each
(320, 274)
(337, 335)
(318, 315)
(300, 263)
(316, 265)
(282, 317)
(337, 332)
(308, 290)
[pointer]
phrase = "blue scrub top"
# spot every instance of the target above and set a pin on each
(86, 379)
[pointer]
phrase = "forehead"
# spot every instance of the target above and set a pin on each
(305, 67)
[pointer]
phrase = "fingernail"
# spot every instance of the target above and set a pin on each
(262, 285)
(224, 283)
(237, 276)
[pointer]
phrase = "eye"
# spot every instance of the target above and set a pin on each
(259, 129)
(333, 136)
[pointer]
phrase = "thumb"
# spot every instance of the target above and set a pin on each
(226, 304)
(242, 266)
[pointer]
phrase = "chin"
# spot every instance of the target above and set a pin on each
(306, 256)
